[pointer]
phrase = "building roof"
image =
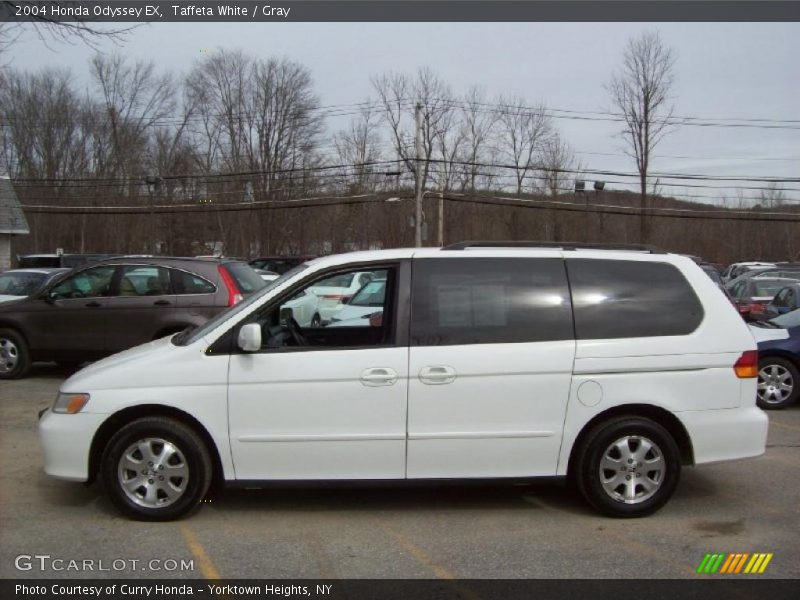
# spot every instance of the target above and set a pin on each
(12, 219)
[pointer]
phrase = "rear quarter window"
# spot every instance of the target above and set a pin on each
(627, 299)
(246, 278)
(189, 283)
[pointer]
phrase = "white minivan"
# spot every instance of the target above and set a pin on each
(614, 368)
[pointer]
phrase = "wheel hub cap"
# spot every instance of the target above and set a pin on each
(9, 355)
(632, 469)
(153, 473)
(775, 384)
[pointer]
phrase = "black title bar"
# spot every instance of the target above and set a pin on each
(130, 11)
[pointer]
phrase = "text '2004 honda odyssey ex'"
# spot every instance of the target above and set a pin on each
(612, 367)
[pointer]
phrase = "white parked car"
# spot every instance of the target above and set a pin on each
(613, 368)
(266, 275)
(303, 308)
(365, 307)
(20, 283)
(334, 292)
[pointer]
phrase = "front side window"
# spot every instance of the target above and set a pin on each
(91, 283)
(306, 318)
(489, 301)
(626, 299)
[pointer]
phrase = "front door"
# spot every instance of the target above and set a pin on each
(322, 402)
(71, 323)
(492, 348)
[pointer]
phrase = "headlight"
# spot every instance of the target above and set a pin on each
(70, 403)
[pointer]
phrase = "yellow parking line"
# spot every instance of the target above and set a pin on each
(784, 426)
(422, 558)
(197, 550)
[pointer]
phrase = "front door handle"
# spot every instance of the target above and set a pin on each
(162, 303)
(378, 376)
(438, 375)
(93, 304)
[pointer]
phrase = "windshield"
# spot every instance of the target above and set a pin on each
(20, 284)
(372, 294)
(192, 335)
(787, 321)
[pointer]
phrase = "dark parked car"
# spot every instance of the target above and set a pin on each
(115, 304)
(778, 360)
(70, 261)
(752, 295)
(279, 264)
(18, 283)
(785, 301)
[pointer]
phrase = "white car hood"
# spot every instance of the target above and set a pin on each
(150, 352)
(764, 334)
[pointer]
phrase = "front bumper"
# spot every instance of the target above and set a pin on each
(726, 434)
(66, 440)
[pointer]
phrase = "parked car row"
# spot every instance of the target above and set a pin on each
(111, 305)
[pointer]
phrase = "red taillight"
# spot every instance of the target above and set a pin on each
(743, 308)
(234, 294)
(337, 297)
(757, 308)
(747, 365)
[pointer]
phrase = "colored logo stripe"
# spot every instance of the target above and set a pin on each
(734, 563)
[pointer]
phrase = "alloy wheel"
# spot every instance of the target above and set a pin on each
(775, 384)
(9, 355)
(632, 469)
(153, 473)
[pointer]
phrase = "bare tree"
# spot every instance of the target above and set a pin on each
(558, 163)
(398, 95)
(83, 30)
(640, 92)
(478, 123)
(135, 99)
(522, 133)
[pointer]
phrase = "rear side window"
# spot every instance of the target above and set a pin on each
(626, 299)
(489, 301)
(189, 283)
(246, 278)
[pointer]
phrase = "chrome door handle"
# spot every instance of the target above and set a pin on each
(438, 375)
(378, 376)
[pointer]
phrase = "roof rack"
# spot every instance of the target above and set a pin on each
(560, 245)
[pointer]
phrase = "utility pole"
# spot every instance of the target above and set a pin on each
(440, 223)
(418, 177)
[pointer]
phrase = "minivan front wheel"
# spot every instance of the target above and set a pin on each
(628, 467)
(156, 468)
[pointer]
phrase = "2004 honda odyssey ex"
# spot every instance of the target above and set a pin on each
(612, 367)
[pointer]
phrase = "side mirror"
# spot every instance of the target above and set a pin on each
(249, 339)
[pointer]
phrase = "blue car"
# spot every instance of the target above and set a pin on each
(778, 360)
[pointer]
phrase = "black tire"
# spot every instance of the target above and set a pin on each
(15, 358)
(195, 459)
(594, 449)
(782, 368)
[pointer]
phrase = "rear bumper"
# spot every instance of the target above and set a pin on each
(66, 440)
(726, 434)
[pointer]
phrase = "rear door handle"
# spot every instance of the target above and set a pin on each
(162, 303)
(378, 376)
(437, 375)
(93, 304)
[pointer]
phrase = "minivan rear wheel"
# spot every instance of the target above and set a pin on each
(628, 467)
(15, 359)
(778, 383)
(156, 469)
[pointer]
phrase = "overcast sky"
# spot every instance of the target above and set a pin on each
(724, 70)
